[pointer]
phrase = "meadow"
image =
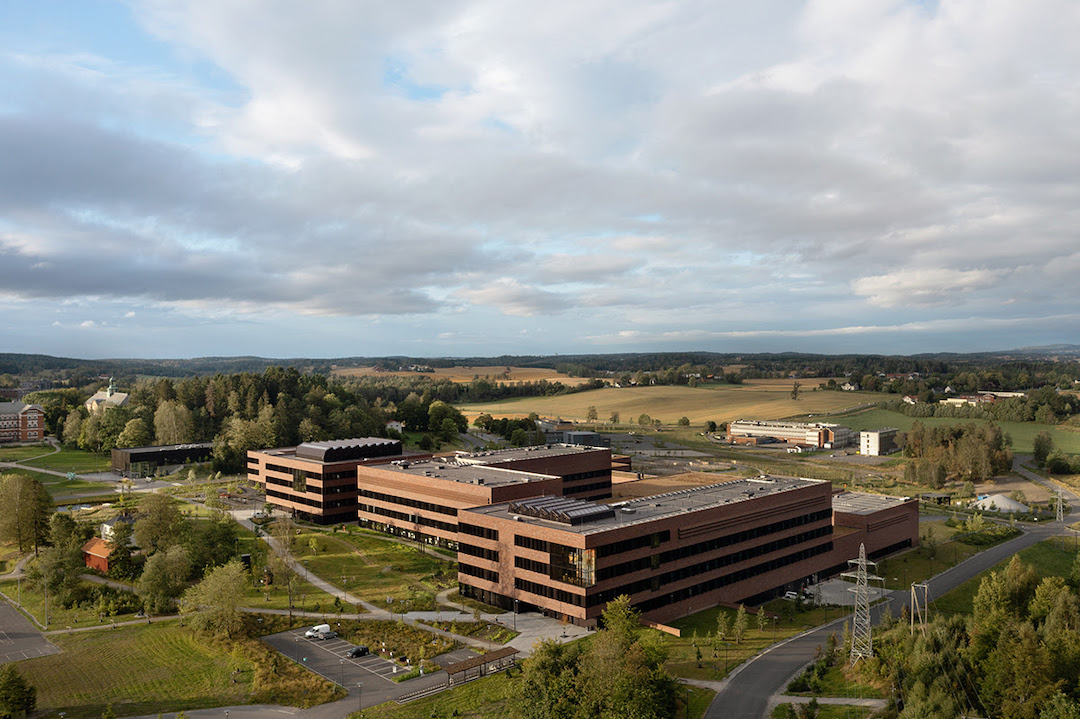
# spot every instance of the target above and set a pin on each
(754, 399)
(163, 667)
(1022, 433)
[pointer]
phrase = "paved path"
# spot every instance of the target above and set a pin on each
(748, 691)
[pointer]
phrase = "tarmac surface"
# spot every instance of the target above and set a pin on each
(19, 639)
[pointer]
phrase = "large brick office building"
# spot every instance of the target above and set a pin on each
(21, 422)
(529, 537)
(738, 541)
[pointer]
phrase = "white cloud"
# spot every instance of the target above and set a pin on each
(676, 165)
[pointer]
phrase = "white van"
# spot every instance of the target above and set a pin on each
(317, 630)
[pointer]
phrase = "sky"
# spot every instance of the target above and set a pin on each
(335, 178)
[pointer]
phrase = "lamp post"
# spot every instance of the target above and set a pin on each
(342, 663)
(515, 614)
(296, 645)
(359, 696)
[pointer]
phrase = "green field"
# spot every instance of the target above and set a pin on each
(19, 454)
(755, 399)
(139, 670)
(72, 460)
(163, 667)
(1022, 433)
(376, 568)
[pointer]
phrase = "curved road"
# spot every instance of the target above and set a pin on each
(745, 695)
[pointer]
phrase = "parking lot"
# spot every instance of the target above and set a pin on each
(19, 639)
(327, 657)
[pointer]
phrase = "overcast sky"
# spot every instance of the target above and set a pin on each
(334, 178)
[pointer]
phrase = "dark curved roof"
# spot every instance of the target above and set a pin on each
(341, 450)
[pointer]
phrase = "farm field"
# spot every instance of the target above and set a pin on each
(140, 670)
(467, 374)
(755, 399)
(1022, 433)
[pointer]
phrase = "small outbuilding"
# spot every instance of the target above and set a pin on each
(96, 553)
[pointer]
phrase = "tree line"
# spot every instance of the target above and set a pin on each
(969, 452)
(1016, 656)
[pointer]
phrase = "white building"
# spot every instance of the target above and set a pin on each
(877, 442)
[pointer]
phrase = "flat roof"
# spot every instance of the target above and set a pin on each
(448, 469)
(862, 503)
(657, 506)
(518, 453)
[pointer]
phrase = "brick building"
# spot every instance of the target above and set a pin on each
(738, 541)
(21, 422)
(316, 481)
(421, 500)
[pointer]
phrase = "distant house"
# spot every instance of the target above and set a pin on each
(106, 399)
(96, 553)
(108, 526)
(396, 426)
(849, 387)
(911, 399)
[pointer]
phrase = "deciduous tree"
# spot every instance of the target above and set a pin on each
(214, 603)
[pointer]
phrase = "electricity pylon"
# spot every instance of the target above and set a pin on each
(862, 639)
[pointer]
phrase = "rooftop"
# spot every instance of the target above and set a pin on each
(691, 499)
(452, 470)
(516, 453)
(860, 503)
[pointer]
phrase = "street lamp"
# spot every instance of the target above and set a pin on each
(342, 662)
(515, 614)
(296, 644)
(359, 696)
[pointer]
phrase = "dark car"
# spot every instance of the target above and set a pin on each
(360, 651)
(326, 635)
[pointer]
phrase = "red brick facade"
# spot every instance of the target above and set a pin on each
(21, 422)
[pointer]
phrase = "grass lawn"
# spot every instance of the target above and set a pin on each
(18, 454)
(163, 667)
(67, 460)
(274, 596)
(62, 488)
(1046, 559)
(377, 568)
(916, 565)
(1022, 433)
(754, 399)
(717, 661)
(825, 711)
(481, 630)
(33, 603)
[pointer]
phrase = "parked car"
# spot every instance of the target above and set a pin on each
(316, 630)
(791, 596)
(360, 651)
(327, 635)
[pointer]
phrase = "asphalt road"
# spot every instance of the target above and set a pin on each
(746, 695)
(19, 639)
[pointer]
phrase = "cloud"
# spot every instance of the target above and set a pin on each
(924, 288)
(707, 169)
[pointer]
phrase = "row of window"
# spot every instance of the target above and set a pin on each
(655, 583)
(294, 498)
(654, 561)
(412, 518)
(588, 488)
(628, 545)
(491, 555)
(717, 582)
(543, 590)
(588, 475)
(294, 472)
(405, 501)
(478, 531)
(479, 572)
(746, 535)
